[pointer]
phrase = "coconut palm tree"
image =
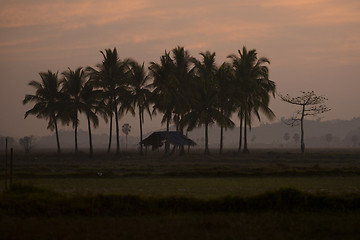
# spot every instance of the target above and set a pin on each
(204, 105)
(126, 129)
(91, 104)
(110, 75)
(225, 93)
(165, 87)
(140, 94)
(183, 72)
(49, 102)
(72, 83)
(253, 88)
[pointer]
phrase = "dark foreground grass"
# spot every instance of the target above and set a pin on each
(23, 200)
(261, 225)
(31, 213)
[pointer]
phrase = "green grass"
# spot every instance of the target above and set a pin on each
(198, 187)
(192, 175)
(170, 198)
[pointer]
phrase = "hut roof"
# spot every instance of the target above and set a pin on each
(156, 139)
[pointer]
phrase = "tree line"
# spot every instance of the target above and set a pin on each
(187, 91)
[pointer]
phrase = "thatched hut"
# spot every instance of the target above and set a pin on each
(157, 139)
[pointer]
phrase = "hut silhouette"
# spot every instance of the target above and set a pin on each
(158, 139)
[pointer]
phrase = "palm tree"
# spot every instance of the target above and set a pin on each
(165, 87)
(126, 128)
(253, 88)
(183, 74)
(140, 93)
(204, 108)
(73, 82)
(225, 93)
(91, 104)
(48, 101)
(110, 76)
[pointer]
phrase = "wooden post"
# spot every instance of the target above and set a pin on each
(11, 165)
(6, 162)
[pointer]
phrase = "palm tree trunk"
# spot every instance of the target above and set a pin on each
(117, 128)
(182, 150)
(76, 139)
(167, 145)
(245, 135)
(57, 134)
(241, 126)
(141, 146)
(109, 147)
(90, 139)
(221, 139)
(207, 152)
(76, 130)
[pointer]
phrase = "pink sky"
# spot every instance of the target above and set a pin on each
(312, 45)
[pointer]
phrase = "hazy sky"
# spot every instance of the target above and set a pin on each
(312, 45)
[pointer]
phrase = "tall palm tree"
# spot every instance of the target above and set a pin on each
(165, 87)
(110, 76)
(91, 104)
(73, 82)
(140, 93)
(204, 109)
(254, 87)
(48, 101)
(183, 74)
(225, 93)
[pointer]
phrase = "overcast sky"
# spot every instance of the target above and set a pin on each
(312, 45)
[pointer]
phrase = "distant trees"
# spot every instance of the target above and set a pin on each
(310, 105)
(27, 143)
(188, 92)
(296, 138)
(286, 137)
(354, 140)
(329, 138)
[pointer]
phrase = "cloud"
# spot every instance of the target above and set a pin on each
(316, 12)
(68, 13)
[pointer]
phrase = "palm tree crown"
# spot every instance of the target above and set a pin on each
(49, 102)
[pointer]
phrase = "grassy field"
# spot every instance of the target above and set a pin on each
(331, 173)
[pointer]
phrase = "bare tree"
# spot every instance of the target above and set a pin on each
(27, 143)
(311, 105)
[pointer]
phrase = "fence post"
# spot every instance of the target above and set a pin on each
(11, 165)
(6, 161)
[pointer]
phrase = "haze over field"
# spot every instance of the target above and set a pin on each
(312, 45)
